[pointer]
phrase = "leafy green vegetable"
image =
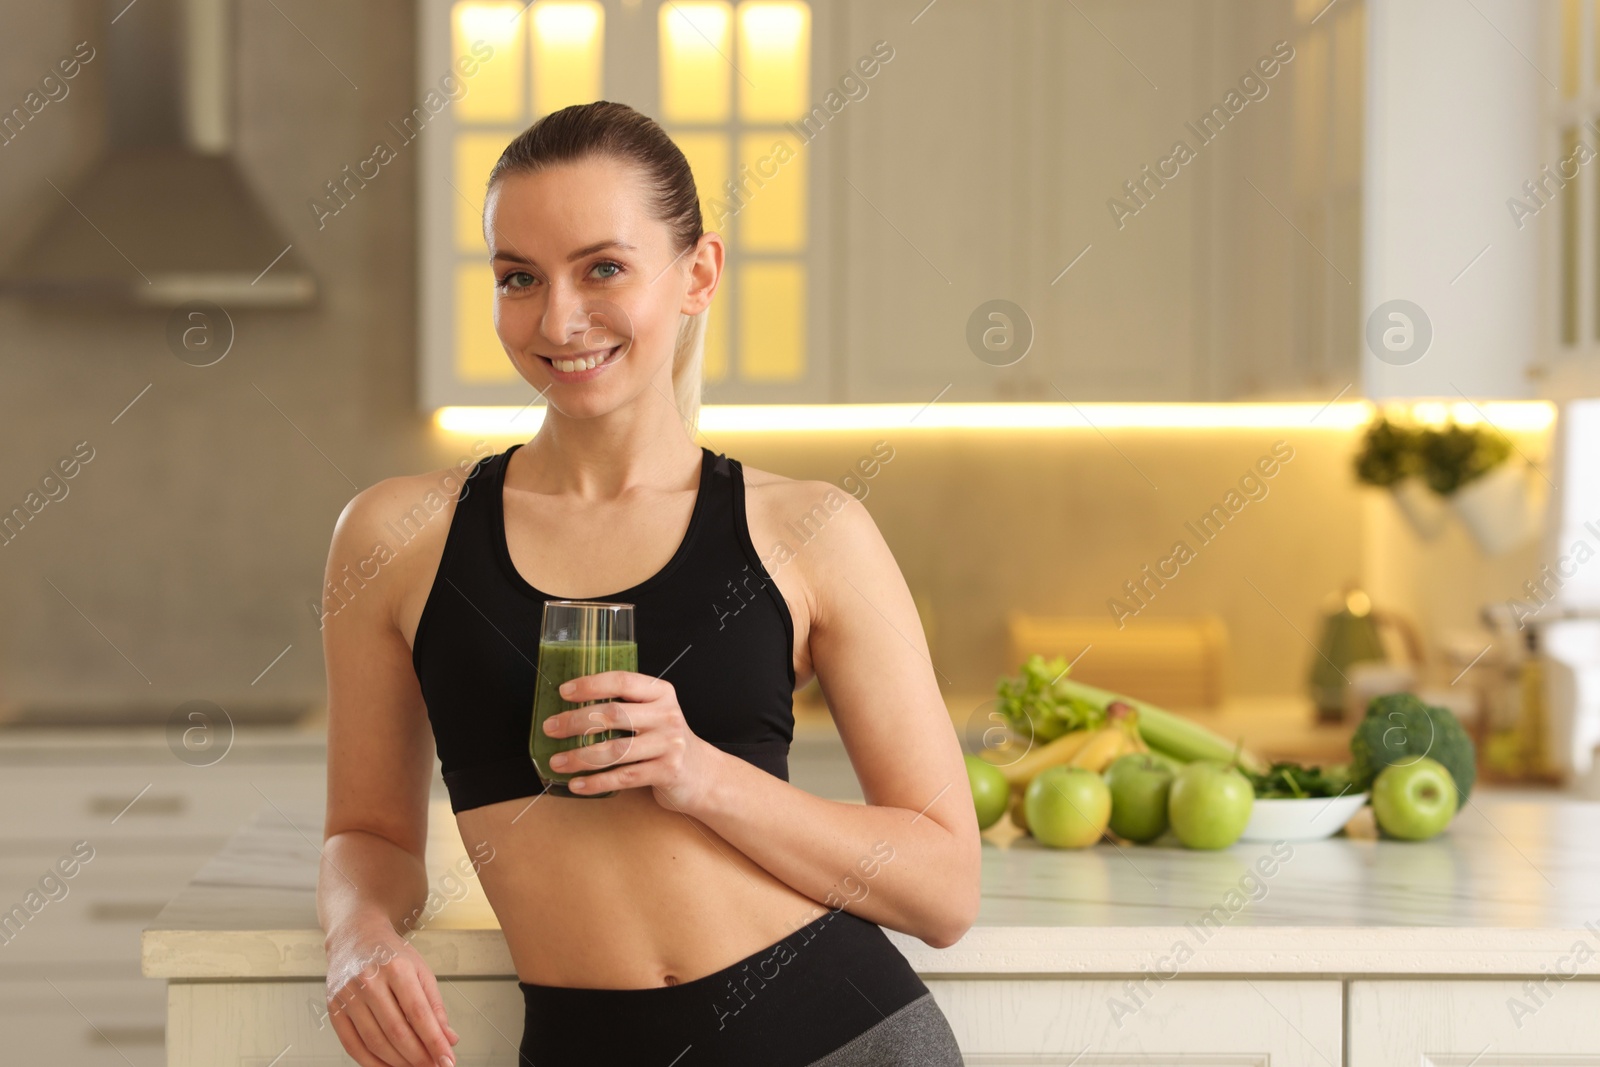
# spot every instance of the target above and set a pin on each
(1455, 455)
(1287, 779)
(1400, 728)
(1033, 708)
(1388, 453)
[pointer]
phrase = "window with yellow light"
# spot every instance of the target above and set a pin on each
(732, 77)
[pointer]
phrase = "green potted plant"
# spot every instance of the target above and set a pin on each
(1389, 459)
(1472, 468)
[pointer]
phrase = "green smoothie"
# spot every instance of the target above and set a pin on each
(559, 662)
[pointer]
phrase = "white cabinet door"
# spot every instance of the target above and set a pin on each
(1504, 1023)
(1175, 1022)
(82, 1022)
(285, 1024)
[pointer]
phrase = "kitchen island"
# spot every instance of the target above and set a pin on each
(1481, 946)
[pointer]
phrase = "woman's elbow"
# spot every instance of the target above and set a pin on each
(960, 914)
(952, 929)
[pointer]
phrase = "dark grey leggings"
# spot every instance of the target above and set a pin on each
(917, 1035)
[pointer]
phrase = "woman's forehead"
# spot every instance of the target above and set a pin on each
(564, 212)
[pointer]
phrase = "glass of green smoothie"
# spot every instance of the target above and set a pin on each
(577, 637)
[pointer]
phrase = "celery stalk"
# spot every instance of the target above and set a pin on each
(1163, 731)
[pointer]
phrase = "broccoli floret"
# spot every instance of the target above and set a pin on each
(1400, 728)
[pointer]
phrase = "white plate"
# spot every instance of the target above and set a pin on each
(1300, 819)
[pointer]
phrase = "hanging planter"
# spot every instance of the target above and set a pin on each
(1389, 460)
(1424, 510)
(1469, 470)
(1470, 466)
(1497, 508)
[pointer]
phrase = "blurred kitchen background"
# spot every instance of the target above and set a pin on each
(1310, 289)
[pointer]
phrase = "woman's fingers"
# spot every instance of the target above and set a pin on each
(354, 1044)
(610, 753)
(627, 776)
(372, 1035)
(423, 1017)
(629, 685)
(397, 1028)
(430, 989)
(596, 718)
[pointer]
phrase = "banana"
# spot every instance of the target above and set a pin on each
(1107, 744)
(1052, 754)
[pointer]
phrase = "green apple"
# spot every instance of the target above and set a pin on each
(990, 791)
(1139, 788)
(1067, 807)
(1209, 804)
(1415, 800)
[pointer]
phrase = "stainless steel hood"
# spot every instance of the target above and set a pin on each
(164, 216)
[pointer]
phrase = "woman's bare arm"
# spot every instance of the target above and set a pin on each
(380, 759)
(909, 858)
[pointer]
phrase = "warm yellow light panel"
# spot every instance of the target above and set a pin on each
(568, 45)
(771, 180)
(775, 60)
(475, 155)
(772, 325)
(1314, 417)
(1509, 416)
(696, 54)
(716, 352)
(707, 154)
(495, 91)
(1319, 417)
(479, 354)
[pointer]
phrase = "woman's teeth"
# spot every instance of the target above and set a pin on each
(570, 365)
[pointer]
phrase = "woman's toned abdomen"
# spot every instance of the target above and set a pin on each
(620, 893)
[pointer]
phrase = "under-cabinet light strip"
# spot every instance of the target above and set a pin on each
(1509, 415)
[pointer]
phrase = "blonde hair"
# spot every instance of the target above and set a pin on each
(605, 127)
(688, 368)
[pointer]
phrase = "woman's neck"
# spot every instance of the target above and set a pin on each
(601, 458)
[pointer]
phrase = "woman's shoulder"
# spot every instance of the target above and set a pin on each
(780, 503)
(409, 503)
(776, 490)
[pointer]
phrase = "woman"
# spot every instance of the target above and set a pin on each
(708, 912)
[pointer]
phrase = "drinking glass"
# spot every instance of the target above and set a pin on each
(577, 637)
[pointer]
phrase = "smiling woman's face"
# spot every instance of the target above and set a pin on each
(588, 290)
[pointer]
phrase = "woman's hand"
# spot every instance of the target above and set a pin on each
(663, 752)
(385, 1003)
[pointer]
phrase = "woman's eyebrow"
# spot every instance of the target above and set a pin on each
(600, 246)
(587, 250)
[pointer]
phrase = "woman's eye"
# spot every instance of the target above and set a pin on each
(517, 279)
(609, 263)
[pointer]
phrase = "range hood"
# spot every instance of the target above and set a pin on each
(164, 217)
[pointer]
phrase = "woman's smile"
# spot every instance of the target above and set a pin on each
(582, 366)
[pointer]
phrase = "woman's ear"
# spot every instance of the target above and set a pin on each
(705, 270)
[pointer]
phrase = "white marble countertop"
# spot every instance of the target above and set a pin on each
(1508, 889)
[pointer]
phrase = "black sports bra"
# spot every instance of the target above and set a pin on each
(711, 621)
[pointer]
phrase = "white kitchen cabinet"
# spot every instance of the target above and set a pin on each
(252, 1023)
(97, 790)
(81, 1022)
(1493, 1023)
(979, 162)
(1311, 960)
(1011, 1022)
(1040, 1021)
(71, 994)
